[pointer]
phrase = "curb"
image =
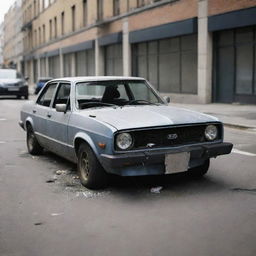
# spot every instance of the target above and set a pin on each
(238, 126)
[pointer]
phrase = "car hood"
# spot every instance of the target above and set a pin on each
(10, 81)
(148, 116)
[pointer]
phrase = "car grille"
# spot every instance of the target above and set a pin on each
(171, 136)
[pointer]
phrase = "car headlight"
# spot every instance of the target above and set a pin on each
(124, 141)
(211, 132)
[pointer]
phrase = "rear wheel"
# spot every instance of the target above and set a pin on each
(18, 97)
(201, 170)
(33, 146)
(26, 97)
(91, 173)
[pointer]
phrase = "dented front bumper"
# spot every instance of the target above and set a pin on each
(152, 162)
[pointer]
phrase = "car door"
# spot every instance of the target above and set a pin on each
(40, 111)
(57, 122)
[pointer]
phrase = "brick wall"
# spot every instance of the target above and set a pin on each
(222, 6)
(176, 11)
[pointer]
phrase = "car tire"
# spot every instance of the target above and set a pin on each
(26, 97)
(91, 173)
(34, 148)
(201, 170)
(18, 97)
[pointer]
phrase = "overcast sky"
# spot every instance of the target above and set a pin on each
(4, 6)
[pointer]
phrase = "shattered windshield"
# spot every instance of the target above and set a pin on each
(115, 93)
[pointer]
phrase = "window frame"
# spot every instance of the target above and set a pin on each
(46, 87)
(56, 94)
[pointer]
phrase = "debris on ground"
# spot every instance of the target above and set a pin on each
(91, 194)
(57, 213)
(51, 181)
(38, 223)
(60, 172)
(156, 190)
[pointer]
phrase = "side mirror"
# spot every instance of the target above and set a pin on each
(61, 108)
(167, 99)
(26, 78)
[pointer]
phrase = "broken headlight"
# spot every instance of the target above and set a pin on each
(124, 141)
(211, 132)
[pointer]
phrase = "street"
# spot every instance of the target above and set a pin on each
(44, 211)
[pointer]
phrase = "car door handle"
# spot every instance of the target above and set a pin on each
(49, 115)
(34, 111)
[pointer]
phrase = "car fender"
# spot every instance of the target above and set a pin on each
(29, 120)
(84, 136)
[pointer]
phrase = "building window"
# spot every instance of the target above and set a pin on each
(35, 8)
(40, 36)
(73, 17)
(100, 9)
(44, 35)
(62, 23)
(140, 3)
(54, 66)
(55, 27)
(169, 64)
(50, 29)
(113, 60)
(116, 7)
(35, 38)
(85, 12)
(235, 65)
(85, 63)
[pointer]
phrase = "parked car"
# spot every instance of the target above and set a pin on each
(13, 83)
(119, 125)
(41, 82)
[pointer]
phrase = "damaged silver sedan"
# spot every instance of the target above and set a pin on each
(122, 126)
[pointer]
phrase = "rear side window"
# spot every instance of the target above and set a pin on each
(47, 95)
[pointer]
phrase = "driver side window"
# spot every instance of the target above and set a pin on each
(62, 96)
(46, 96)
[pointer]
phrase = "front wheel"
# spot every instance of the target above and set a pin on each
(91, 173)
(201, 170)
(34, 148)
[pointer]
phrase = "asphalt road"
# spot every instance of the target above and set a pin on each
(47, 214)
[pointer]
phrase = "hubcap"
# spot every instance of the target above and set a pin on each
(31, 141)
(84, 165)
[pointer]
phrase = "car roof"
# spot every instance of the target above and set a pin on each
(97, 78)
(45, 78)
(9, 69)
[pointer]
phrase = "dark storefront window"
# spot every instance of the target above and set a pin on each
(235, 60)
(113, 60)
(85, 65)
(68, 64)
(169, 64)
(54, 66)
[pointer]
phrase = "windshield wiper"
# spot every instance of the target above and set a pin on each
(140, 102)
(95, 104)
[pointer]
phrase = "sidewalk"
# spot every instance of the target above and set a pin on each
(233, 115)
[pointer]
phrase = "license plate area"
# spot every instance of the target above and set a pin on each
(13, 89)
(178, 162)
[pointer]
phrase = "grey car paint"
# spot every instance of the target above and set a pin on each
(58, 132)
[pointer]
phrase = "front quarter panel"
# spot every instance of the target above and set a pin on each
(86, 128)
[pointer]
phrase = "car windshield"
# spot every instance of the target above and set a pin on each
(115, 93)
(9, 74)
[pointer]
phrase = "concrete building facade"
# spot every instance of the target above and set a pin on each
(196, 51)
(13, 38)
(1, 44)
